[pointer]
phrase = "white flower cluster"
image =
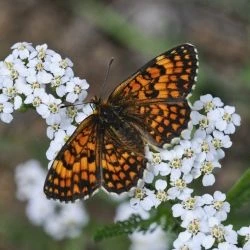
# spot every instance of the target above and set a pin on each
(201, 217)
(195, 155)
(40, 78)
(58, 220)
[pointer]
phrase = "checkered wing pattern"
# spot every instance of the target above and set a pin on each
(155, 97)
(159, 123)
(75, 172)
(123, 160)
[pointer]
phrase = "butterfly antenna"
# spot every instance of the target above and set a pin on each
(73, 104)
(107, 74)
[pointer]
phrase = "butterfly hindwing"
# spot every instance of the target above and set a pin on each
(75, 172)
(122, 166)
(160, 122)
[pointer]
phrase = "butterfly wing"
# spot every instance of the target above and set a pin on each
(154, 98)
(168, 76)
(75, 172)
(122, 165)
(160, 122)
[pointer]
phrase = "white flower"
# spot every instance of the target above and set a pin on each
(205, 168)
(33, 81)
(221, 233)
(57, 122)
(217, 206)
(187, 238)
(245, 231)
(76, 89)
(49, 106)
(195, 222)
(22, 50)
(162, 168)
(41, 51)
(58, 220)
(39, 208)
(143, 198)
(208, 103)
(219, 141)
(179, 190)
(67, 222)
(202, 122)
(175, 165)
(59, 66)
(188, 206)
(38, 66)
(37, 97)
(23, 87)
(28, 176)
(203, 142)
(8, 88)
(59, 83)
(206, 230)
(160, 194)
(181, 243)
(83, 112)
(225, 119)
(124, 211)
(190, 149)
(154, 239)
(71, 112)
(60, 137)
(54, 66)
(6, 108)
(12, 68)
(226, 246)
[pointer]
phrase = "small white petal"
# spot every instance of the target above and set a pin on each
(160, 185)
(7, 118)
(208, 180)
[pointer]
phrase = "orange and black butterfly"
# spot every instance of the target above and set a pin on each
(107, 148)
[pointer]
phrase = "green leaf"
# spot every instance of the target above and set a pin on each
(162, 216)
(134, 223)
(240, 192)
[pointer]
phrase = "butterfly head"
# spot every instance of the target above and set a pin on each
(96, 102)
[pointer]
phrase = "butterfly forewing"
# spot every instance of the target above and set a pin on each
(75, 172)
(170, 75)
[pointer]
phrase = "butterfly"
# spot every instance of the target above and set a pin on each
(107, 148)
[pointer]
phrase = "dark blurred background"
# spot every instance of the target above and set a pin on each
(90, 33)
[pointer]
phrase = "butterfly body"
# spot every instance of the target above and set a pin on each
(107, 148)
